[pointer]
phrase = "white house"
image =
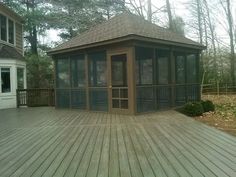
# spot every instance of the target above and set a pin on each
(12, 63)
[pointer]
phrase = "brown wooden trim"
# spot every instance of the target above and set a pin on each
(128, 52)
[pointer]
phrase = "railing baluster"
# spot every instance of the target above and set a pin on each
(35, 97)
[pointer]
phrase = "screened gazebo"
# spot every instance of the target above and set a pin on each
(126, 65)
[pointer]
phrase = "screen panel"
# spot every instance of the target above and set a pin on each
(98, 99)
(144, 65)
(163, 96)
(62, 73)
(97, 69)
(191, 68)
(63, 98)
(163, 67)
(78, 99)
(145, 99)
(78, 71)
(180, 93)
(180, 69)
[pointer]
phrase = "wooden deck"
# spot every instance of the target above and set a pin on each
(47, 142)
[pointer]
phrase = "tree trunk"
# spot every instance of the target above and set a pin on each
(199, 16)
(212, 30)
(231, 36)
(168, 8)
(150, 10)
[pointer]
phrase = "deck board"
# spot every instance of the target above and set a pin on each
(71, 143)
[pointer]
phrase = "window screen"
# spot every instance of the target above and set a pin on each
(191, 68)
(97, 69)
(98, 99)
(163, 96)
(63, 75)
(145, 99)
(180, 69)
(78, 71)
(163, 66)
(63, 98)
(193, 92)
(78, 99)
(144, 65)
(180, 93)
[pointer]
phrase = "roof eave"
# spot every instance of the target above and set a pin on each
(17, 16)
(126, 38)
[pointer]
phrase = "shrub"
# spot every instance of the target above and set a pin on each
(208, 106)
(193, 109)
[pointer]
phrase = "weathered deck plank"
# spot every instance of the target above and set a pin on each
(70, 143)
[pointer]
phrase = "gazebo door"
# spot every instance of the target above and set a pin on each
(119, 102)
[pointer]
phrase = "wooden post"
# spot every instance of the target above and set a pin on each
(87, 81)
(17, 98)
(172, 76)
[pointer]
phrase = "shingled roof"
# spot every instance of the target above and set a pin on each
(120, 26)
(8, 52)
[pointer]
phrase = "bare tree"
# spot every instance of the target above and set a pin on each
(213, 38)
(143, 8)
(199, 19)
(227, 8)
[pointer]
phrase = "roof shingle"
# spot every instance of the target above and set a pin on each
(8, 52)
(123, 25)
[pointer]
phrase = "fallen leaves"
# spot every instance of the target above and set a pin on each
(224, 117)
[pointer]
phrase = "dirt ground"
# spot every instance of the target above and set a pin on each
(224, 117)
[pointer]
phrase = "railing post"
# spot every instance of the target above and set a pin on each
(17, 98)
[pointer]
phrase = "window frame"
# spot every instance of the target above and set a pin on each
(7, 31)
(11, 90)
(24, 78)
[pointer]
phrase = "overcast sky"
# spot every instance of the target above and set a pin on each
(179, 9)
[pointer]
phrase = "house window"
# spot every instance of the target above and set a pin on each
(20, 78)
(7, 29)
(11, 31)
(5, 80)
(3, 27)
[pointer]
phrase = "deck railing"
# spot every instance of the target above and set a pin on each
(35, 97)
(218, 89)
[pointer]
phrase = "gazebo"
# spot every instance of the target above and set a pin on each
(126, 65)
